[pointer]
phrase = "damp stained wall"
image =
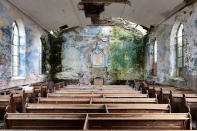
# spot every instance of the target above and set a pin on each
(165, 34)
(87, 52)
(30, 44)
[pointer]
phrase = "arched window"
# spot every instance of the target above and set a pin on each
(155, 51)
(155, 58)
(40, 59)
(15, 50)
(179, 51)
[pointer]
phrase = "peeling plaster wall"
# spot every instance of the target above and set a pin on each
(30, 44)
(166, 65)
(78, 52)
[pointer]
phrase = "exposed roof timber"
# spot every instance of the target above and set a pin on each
(107, 1)
(180, 7)
(69, 29)
(146, 28)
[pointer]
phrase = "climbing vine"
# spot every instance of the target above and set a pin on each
(45, 54)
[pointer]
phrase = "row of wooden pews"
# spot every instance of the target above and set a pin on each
(181, 100)
(14, 99)
(112, 107)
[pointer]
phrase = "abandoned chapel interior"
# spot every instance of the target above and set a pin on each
(101, 65)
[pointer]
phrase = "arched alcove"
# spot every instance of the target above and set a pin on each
(97, 58)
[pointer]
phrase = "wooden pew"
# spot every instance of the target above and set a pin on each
(164, 95)
(59, 85)
(97, 100)
(140, 121)
(65, 108)
(176, 99)
(52, 95)
(97, 89)
(45, 121)
(64, 100)
(144, 87)
(4, 102)
(98, 86)
(21, 97)
(138, 108)
(191, 106)
(98, 108)
(7, 104)
(43, 90)
(115, 86)
(98, 92)
(103, 130)
(123, 100)
(155, 90)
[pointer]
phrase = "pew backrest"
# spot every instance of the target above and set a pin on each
(97, 100)
(50, 95)
(98, 108)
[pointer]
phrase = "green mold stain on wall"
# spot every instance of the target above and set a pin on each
(127, 52)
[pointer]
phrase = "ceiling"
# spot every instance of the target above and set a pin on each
(51, 14)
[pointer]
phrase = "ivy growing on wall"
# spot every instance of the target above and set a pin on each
(45, 54)
(52, 48)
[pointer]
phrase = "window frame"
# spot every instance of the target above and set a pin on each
(178, 72)
(13, 46)
(154, 51)
(40, 59)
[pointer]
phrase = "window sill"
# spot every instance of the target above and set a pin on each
(18, 78)
(177, 78)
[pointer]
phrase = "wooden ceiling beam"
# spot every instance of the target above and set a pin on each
(105, 1)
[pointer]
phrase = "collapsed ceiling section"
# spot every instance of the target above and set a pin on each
(93, 8)
(52, 14)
